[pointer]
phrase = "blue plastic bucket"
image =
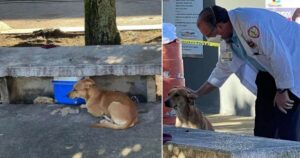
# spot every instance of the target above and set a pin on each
(61, 91)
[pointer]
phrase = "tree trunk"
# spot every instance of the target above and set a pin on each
(100, 22)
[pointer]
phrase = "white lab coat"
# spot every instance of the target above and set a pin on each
(277, 46)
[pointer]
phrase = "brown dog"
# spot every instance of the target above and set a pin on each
(188, 116)
(117, 108)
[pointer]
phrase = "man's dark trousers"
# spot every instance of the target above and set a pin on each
(270, 121)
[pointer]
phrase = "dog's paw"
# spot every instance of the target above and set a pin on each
(103, 121)
(83, 106)
(107, 118)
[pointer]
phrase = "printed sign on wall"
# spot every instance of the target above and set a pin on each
(183, 14)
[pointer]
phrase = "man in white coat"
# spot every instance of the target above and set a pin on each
(262, 48)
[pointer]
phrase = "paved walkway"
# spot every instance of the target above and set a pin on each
(39, 131)
(70, 13)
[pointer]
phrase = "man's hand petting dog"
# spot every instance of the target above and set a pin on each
(191, 93)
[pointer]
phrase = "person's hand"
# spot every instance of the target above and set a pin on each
(191, 93)
(283, 101)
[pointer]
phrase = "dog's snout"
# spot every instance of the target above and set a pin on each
(167, 103)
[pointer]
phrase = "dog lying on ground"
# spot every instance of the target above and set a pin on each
(118, 110)
(188, 116)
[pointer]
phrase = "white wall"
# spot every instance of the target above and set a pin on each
(231, 4)
(235, 99)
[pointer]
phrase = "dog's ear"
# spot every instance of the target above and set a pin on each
(190, 97)
(88, 83)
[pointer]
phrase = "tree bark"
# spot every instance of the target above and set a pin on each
(100, 23)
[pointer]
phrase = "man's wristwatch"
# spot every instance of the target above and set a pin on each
(280, 91)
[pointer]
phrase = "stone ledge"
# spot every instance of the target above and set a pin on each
(206, 144)
(113, 60)
(117, 60)
(85, 70)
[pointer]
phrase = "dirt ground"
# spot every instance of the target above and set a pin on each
(42, 38)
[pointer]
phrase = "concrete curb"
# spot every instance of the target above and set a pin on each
(81, 29)
(4, 26)
(201, 143)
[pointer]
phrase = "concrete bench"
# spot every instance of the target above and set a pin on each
(206, 144)
(118, 60)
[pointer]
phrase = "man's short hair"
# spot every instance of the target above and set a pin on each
(213, 15)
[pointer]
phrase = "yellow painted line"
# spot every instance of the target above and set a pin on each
(199, 42)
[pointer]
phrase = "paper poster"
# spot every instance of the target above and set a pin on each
(183, 14)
